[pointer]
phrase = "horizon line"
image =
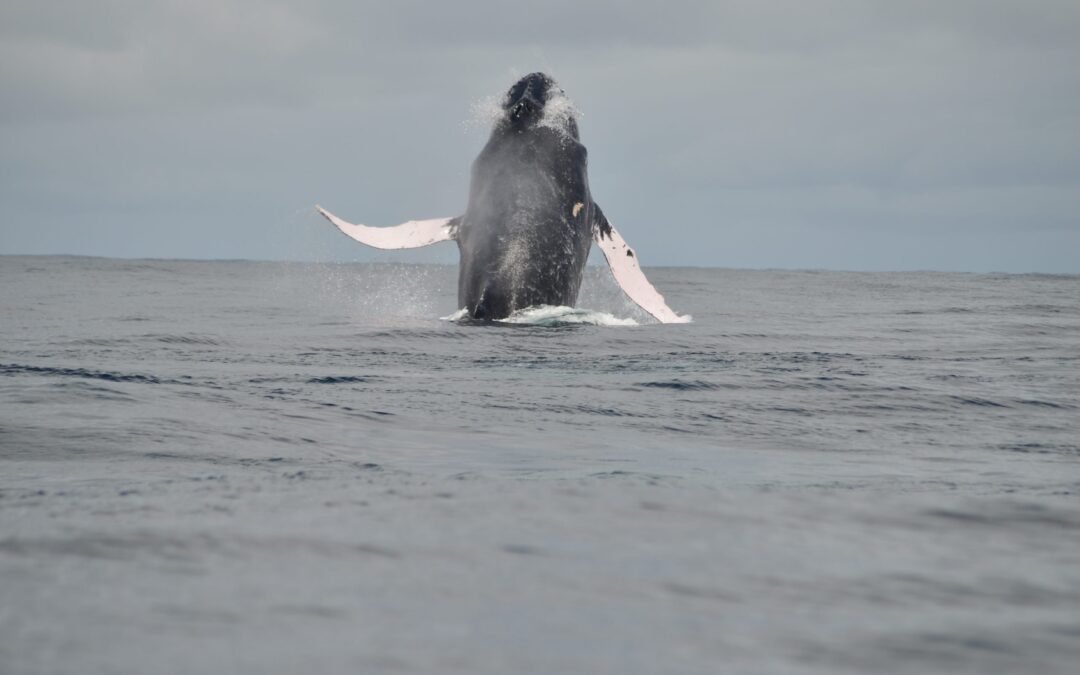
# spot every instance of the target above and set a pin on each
(595, 264)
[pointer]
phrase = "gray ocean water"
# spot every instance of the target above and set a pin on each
(279, 468)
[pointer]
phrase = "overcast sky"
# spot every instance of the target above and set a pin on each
(844, 135)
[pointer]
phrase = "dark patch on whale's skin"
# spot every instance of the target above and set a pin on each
(522, 241)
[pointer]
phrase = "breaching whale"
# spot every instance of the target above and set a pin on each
(530, 220)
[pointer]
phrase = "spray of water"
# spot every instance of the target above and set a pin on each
(559, 110)
(484, 113)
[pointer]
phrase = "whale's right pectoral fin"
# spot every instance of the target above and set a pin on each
(412, 234)
(624, 267)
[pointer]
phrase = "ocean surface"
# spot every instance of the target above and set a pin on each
(277, 468)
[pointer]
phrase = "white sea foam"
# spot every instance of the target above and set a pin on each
(456, 316)
(551, 315)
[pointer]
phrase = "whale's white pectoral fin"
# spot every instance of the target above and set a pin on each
(624, 267)
(412, 234)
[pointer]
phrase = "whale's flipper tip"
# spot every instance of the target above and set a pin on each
(623, 263)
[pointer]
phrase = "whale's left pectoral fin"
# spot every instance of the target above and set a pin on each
(624, 267)
(412, 234)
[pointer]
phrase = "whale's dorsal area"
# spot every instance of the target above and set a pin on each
(530, 221)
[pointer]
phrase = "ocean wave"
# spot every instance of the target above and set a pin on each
(16, 369)
(680, 385)
(183, 339)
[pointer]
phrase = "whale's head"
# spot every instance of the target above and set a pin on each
(536, 100)
(527, 97)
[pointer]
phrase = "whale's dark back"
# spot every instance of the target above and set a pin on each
(526, 234)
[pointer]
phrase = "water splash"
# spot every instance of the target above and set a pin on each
(484, 113)
(548, 315)
(551, 315)
(381, 293)
(459, 315)
(559, 110)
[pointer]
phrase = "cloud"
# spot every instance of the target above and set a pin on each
(130, 58)
(814, 120)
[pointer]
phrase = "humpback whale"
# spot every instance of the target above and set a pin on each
(530, 219)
